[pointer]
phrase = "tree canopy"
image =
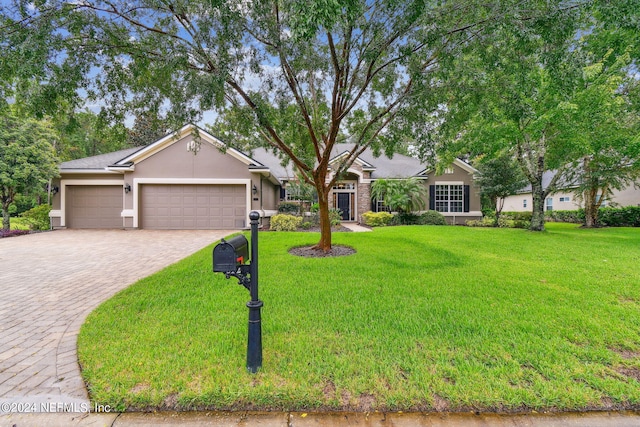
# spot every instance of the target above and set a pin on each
(296, 76)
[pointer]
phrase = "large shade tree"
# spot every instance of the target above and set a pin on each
(296, 75)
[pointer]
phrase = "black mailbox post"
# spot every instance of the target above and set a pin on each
(230, 257)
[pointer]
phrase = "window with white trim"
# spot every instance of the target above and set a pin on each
(449, 198)
(565, 199)
(549, 203)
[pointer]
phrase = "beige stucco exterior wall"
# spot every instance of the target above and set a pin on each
(629, 196)
(457, 176)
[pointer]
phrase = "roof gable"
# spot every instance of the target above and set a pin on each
(175, 137)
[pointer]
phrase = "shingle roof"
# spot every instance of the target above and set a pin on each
(100, 161)
(399, 166)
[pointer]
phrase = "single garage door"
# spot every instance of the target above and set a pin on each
(93, 206)
(192, 206)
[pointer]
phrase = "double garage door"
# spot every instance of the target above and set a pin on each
(198, 207)
(160, 206)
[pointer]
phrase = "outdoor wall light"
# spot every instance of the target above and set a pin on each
(254, 190)
(127, 188)
(54, 190)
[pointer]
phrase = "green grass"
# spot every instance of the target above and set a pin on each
(420, 318)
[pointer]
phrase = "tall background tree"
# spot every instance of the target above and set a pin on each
(551, 94)
(27, 158)
(604, 126)
(296, 75)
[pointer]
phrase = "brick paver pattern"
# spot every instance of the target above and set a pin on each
(51, 281)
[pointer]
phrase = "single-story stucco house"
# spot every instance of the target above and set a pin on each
(565, 198)
(178, 183)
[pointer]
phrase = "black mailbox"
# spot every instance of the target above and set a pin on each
(230, 254)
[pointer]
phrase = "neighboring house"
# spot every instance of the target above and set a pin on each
(565, 199)
(177, 183)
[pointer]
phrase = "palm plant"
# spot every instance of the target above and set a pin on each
(401, 195)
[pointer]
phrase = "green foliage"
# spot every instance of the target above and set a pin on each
(377, 219)
(335, 217)
(517, 216)
(575, 217)
(502, 223)
(402, 195)
(432, 218)
(499, 177)
(22, 203)
(289, 207)
(628, 216)
(27, 158)
(38, 218)
(285, 222)
(147, 128)
(404, 218)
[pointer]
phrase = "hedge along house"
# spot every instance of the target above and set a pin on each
(180, 182)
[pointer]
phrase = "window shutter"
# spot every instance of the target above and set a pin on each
(466, 198)
(432, 197)
(283, 194)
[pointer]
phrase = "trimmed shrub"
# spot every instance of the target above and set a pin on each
(377, 219)
(517, 216)
(502, 223)
(404, 218)
(432, 218)
(484, 222)
(285, 222)
(289, 207)
(576, 217)
(628, 216)
(38, 218)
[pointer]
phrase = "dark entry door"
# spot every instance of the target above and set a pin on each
(344, 204)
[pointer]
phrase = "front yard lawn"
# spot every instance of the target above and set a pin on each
(420, 318)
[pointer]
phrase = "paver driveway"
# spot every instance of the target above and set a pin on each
(50, 282)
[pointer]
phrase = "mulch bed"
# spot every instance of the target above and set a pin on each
(311, 252)
(13, 233)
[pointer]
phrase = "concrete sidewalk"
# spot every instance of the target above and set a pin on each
(297, 419)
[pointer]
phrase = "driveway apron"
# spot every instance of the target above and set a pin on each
(51, 281)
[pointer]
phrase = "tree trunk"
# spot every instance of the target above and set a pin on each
(6, 220)
(499, 208)
(325, 223)
(537, 218)
(590, 203)
(590, 209)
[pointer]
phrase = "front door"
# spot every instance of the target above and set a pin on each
(344, 204)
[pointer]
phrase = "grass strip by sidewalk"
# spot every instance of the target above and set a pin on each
(420, 318)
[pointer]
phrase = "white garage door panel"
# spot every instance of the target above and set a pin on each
(94, 206)
(192, 206)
